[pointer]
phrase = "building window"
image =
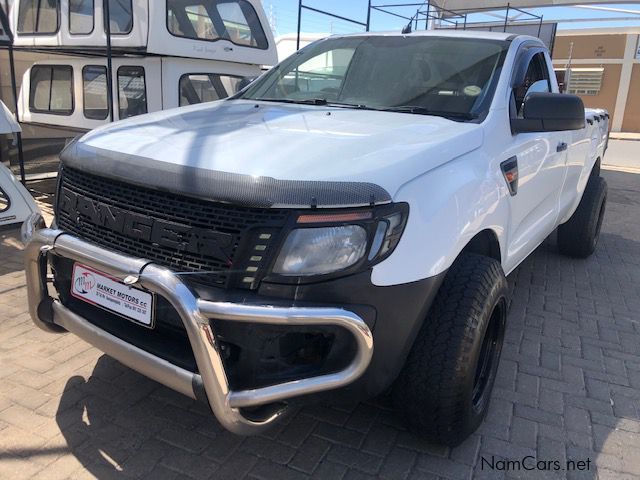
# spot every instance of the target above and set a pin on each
(207, 87)
(121, 15)
(584, 81)
(5, 203)
(94, 91)
(132, 92)
(51, 89)
(81, 14)
(211, 20)
(39, 16)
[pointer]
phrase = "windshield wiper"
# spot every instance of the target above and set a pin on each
(313, 101)
(306, 101)
(418, 110)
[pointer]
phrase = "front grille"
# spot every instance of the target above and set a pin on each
(255, 231)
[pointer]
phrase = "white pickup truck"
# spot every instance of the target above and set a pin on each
(343, 225)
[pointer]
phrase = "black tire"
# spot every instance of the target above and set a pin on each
(445, 386)
(578, 237)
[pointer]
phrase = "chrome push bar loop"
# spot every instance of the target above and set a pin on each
(196, 315)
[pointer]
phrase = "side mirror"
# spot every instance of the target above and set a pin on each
(550, 112)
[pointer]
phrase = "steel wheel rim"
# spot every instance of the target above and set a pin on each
(489, 356)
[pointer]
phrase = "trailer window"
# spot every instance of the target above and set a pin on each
(207, 87)
(51, 89)
(4, 201)
(39, 16)
(211, 20)
(132, 92)
(121, 15)
(94, 90)
(81, 17)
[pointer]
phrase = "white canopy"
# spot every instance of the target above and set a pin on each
(456, 5)
(8, 122)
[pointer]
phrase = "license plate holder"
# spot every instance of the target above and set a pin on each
(112, 295)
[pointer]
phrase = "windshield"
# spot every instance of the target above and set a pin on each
(444, 76)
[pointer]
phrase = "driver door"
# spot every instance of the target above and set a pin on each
(540, 158)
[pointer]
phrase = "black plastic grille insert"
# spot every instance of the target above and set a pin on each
(255, 231)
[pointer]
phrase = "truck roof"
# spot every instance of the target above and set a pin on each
(443, 33)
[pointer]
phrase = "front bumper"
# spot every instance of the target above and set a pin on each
(196, 314)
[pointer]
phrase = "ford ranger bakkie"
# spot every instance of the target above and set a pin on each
(340, 228)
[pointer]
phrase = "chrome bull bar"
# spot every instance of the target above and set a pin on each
(195, 314)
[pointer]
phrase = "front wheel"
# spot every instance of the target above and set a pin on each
(445, 386)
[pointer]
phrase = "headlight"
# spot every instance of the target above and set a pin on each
(318, 251)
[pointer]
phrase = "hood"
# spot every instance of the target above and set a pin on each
(284, 142)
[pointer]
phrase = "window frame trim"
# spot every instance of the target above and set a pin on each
(146, 93)
(104, 23)
(93, 25)
(266, 38)
(84, 103)
(51, 67)
(41, 34)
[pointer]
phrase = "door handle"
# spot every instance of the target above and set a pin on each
(561, 147)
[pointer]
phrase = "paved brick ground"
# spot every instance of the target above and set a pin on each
(568, 388)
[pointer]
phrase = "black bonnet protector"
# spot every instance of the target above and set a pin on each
(234, 188)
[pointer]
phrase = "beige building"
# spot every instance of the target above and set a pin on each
(604, 69)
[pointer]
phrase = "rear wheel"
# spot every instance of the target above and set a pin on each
(445, 386)
(578, 237)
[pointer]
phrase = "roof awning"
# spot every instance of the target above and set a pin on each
(8, 122)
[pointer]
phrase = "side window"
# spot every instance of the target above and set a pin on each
(121, 15)
(51, 89)
(5, 203)
(94, 92)
(206, 87)
(237, 25)
(536, 80)
(233, 20)
(81, 17)
(39, 16)
(132, 92)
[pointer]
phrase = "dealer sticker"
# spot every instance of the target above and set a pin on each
(107, 292)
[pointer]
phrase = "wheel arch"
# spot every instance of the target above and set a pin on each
(484, 243)
(595, 170)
